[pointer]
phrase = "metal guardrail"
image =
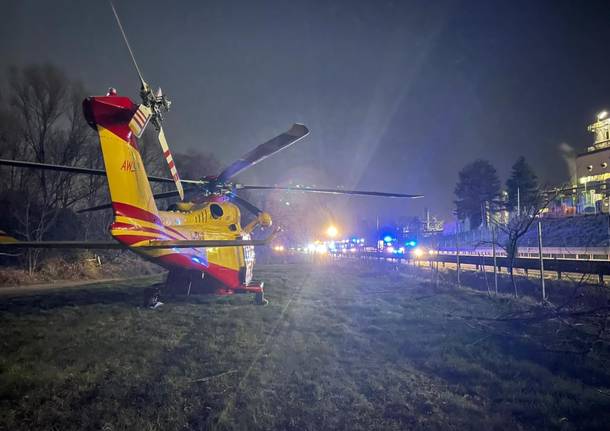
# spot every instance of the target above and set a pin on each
(550, 264)
(594, 253)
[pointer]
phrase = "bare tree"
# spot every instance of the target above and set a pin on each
(41, 120)
(196, 164)
(519, 223)
(43, 123)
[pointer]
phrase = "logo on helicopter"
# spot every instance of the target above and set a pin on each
(129, 166)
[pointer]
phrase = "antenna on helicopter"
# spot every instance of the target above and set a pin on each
(133, 57)
(153, 104)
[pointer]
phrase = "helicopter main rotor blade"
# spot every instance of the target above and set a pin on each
(260, 153)
(162, 195)
(133, 57)
(328, 191)
(85, 171)
(51, 167)
(244, 203)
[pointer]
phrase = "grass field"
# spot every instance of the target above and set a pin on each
(338, 347)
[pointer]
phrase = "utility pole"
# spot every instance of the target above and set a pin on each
(608, 245)
(436, 274)
(493, 248)
(457, 249)
(585, 199)
(541, 260)
(518, 202)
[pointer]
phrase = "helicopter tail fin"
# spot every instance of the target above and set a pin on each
(130, 190)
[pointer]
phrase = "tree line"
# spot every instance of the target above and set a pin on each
(478, 194)
(478, 191)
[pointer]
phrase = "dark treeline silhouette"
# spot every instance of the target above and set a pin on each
(478, 191)
(41, 121)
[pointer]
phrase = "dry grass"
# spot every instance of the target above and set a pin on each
(339, 347)
(85, 267)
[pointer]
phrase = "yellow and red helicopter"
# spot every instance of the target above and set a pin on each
(202, 242)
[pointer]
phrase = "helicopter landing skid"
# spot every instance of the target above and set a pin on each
(255, 287)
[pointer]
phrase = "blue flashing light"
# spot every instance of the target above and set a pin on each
(411, 243)
(387, 238)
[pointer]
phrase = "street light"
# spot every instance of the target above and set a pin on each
(418, 252)
(332, 231)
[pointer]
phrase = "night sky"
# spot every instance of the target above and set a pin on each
(398, 95)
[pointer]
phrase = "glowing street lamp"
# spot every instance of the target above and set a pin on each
(332, 231)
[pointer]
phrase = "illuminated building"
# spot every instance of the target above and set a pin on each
(590, 191)
(593, 170)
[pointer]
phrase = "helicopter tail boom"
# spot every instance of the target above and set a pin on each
(130, 189)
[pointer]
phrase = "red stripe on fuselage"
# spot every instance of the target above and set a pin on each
(184, 260)
(175, 231)
(227, 276)
(128, 227)
(126, 210)
(130, 238)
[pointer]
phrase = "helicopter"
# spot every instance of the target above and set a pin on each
(201, 242)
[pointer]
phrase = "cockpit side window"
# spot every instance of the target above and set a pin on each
(216, 211)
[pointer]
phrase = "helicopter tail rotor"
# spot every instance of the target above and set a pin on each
(170, 162)
(140, 120)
